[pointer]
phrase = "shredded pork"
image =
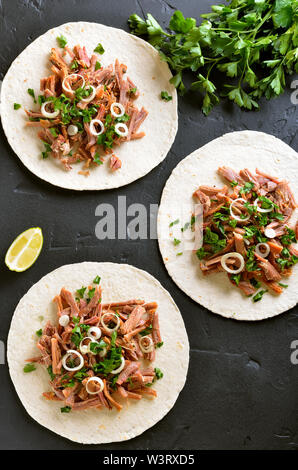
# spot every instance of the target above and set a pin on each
(111, 85)
(137, 320)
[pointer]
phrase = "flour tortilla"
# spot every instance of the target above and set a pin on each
(145, 69)
(119, 282)
(245, 149)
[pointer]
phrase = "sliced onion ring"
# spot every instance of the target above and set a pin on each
(116, 318)
(259, 252)
(48, 114)
(120, 368)
(91, 96)
(94, 332)
(93, 129)
(237, 216)
(85, 348)
(94, 379)
(114, 112)
(260, 209)
(64, 320)
(65, 85)
(150, 347)
(270, 233)
(236, 255)
(69, 353)
(72, 130)
(119, 131)
(103, 352)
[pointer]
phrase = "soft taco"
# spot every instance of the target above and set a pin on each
(227, 226)
(89, 114)
(97, 352)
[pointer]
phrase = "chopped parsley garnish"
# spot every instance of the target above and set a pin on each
(289, 237)
(50, 372)
(99, 49)
(176, 241)
(233, 184)
(158, 373)
(283, 285)
(97, 347)
(74, 65)
(255, 283)
(123, 118)
(165, 96)
(112, 359)
(29, 368)
(259, 295)
(236, 278)
(174, 223)
(147, 331)
(39, 332)
(186, 225)
(97, 159)
(97, 280)
(81, 292)
(159, 345)
(97, 65)
(233, 223)
(16, 106)
(81, 374)
(91, 293)
(201, 253)
(53, 132)
(65, 409)
(62, 41)
(77, 334)
(31, 93)
(247, 187)
(133, 91)
(212, 238)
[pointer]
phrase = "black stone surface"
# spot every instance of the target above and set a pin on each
(241, 391)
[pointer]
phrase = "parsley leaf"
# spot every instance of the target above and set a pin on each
(165, 96)
(29, 368)
(252, 43)
(99, 48)
(62, 41)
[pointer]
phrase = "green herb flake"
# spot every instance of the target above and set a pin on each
(259, 295)
(158, 373)
(81, 292)
(174, 223)
(50, 372)
(29, 368)
(62, 41)
(96, 280)
(16, 106)
(39, 333)
(65, 409)
(283, 285)
(31, 93)
(165, 96)
(99, 49)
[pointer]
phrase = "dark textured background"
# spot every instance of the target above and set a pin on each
(241, 391)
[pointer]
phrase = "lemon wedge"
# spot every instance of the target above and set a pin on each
(24, 250)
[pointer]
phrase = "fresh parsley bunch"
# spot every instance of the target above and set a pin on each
(254, 43)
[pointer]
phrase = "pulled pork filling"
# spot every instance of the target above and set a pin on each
(85, 110)
(98, 354)
(246, 231)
